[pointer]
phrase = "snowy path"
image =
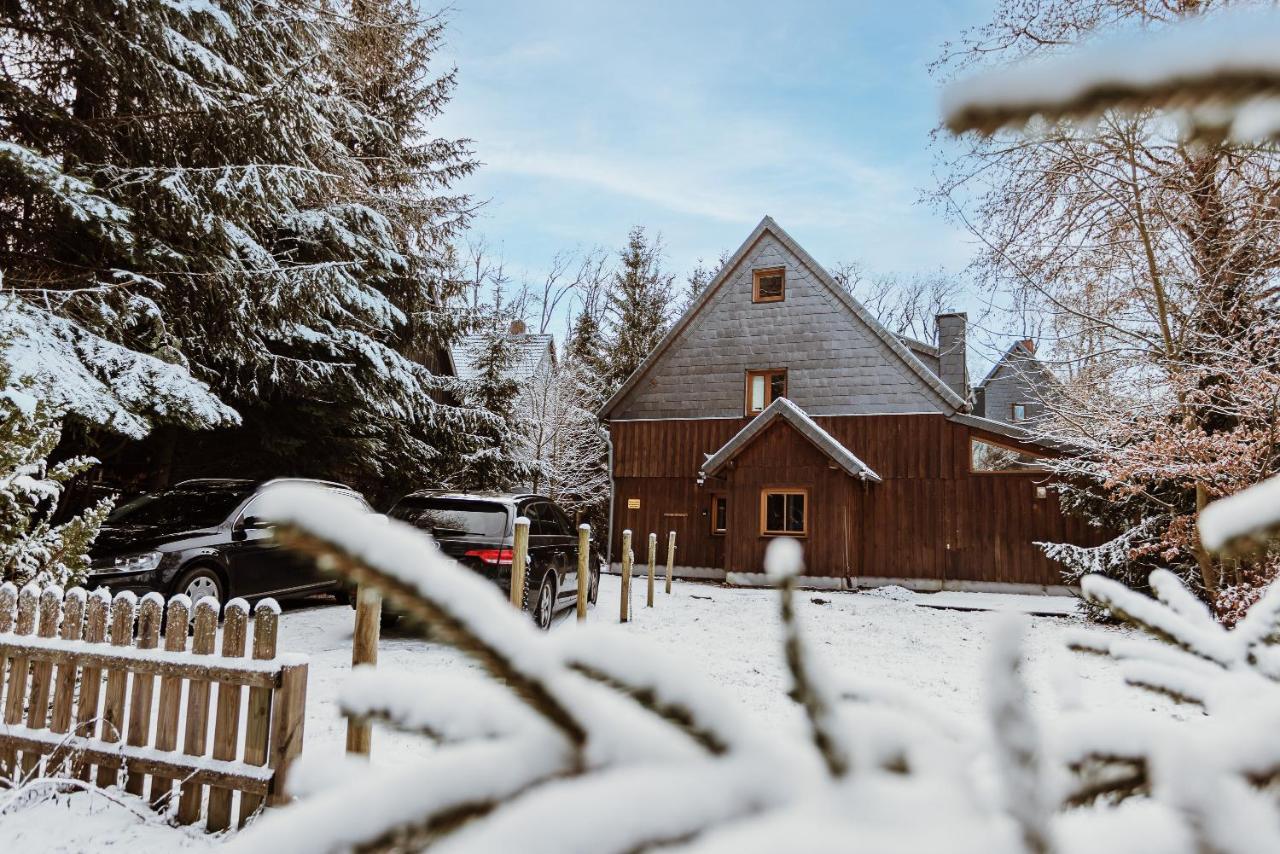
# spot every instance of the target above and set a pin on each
(731, 634)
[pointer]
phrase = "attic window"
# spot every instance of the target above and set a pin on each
(768, 285)
(1018, 412)
(764, 387)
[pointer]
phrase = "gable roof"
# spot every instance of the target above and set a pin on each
(806, 426)
(1019, 351)
(926, 377)
(531, 351)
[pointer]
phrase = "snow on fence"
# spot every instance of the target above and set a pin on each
(56, 651)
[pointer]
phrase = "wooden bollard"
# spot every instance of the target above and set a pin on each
(653, 554)
(519, 557)
(584, 570)
(671, 556)
(624, 612)
(364, 650)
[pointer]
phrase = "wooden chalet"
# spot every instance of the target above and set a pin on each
(777, 406)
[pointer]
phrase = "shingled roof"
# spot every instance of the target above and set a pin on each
(895, 349)
(532, 351)
(806, 426)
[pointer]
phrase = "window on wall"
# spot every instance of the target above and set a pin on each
(990, 457)
(719, 514)
(784, 512)
(764, 387)
(1018, 411)
(768, 285)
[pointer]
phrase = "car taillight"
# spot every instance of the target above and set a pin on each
(501, 557)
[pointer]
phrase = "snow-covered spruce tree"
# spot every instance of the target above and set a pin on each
(31, 548)
(202, 180)
(638, 309)
(1151, 255)
(500, 456)
(587, 723)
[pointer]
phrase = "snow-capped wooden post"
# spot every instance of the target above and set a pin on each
(584, 569)
(364, 650)
(519, 556)
(653, 556)
(671, 557)
(624, 610)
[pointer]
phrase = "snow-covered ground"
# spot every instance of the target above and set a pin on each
(730, 634)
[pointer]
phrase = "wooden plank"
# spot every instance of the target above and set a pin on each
(195, 734)
(288, 715)
(122, 608)
(141, 762)
(266, 622)
(226, 727)
(177, 620)
(19, 667)
(246, 674)
(42, 675)
(64, 687)
(140, 698)
(95, 632)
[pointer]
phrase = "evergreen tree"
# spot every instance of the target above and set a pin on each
(31, 548)
(499, 458)
(638, 308)
(215, 183)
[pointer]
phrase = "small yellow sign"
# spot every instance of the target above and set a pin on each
(633, 503)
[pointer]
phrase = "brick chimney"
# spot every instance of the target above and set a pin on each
(518, 327)
(952, 368)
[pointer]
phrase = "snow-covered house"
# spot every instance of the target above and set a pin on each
(535, 355)
(1016, 388)
(778, 406)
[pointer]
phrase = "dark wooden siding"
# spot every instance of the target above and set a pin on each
(931, 518)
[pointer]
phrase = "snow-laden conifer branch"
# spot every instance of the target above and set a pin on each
(783, 563)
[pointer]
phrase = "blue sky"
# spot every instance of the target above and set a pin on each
(696, 118)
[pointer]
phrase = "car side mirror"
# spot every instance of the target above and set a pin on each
(254, 523)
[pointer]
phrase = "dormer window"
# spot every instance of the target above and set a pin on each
(768, 285)
(764, 387)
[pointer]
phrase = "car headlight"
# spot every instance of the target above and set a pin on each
(141, 562)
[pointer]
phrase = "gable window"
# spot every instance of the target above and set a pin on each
(784, 512)
(990, 457)
(1018, 411)
(764, 387)
(768, 285)
(719, 514)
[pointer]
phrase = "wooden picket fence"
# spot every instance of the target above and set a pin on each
(56, 652)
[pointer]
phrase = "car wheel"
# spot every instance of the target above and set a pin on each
(545, 607)
(593, 586)
(200, 582)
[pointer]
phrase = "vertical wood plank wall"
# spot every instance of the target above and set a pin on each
(930, 519)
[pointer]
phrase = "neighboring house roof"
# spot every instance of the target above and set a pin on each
(1020, 354)
(806, 426)
(534, 354)
(898, 350)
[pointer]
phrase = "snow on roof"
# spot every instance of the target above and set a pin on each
(532, 351)
(799, 419)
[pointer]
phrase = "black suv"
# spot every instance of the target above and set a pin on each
(477, 530)
(202, 538)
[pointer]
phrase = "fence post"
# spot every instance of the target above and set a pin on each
(671, 556)
(519, 555)
(653, 555)
(364, 650)
(287, 718)
(584, 569)
(624, 613)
